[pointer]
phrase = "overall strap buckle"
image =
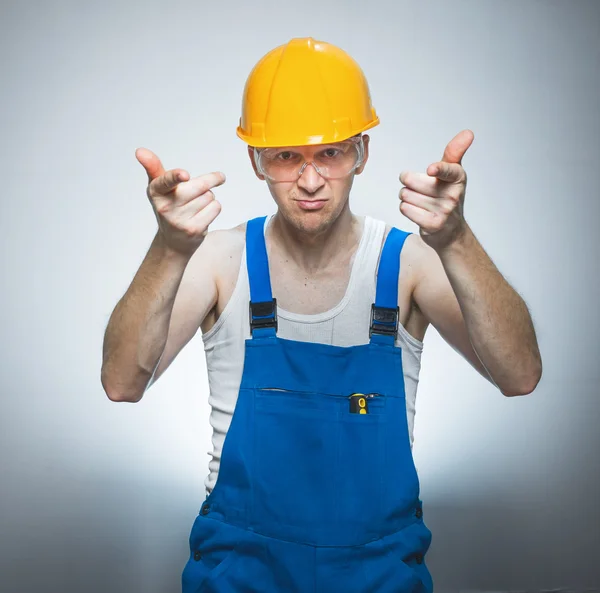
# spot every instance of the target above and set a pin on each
(384, 320)
(263, 315)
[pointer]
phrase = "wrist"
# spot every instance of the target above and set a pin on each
(168, 254)
(461, 242)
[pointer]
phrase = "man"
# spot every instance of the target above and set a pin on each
(313, 322)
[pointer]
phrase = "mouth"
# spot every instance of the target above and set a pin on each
(311, 204)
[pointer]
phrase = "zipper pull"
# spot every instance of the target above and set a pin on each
(359, 403)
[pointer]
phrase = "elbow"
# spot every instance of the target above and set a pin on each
(117, 395)
(516, 392)
(526, 386)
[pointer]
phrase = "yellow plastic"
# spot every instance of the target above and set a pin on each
(303, 93)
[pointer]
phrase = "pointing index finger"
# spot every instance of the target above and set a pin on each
(169, 181)
(213, 179)
(449, 172)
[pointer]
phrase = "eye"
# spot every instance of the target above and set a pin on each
(286, 155)
(331, 152)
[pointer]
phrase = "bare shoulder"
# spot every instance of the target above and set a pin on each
(228, 246)
(223, 248)
(417, 252)
(413, 251)
(217, 249)
(200, 291)
(413, 260)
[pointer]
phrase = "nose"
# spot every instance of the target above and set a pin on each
(310, 180)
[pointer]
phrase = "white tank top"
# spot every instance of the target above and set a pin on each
(347, 324)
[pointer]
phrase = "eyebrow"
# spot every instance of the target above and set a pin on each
(296, 148)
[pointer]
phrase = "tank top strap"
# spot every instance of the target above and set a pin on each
(368, 256)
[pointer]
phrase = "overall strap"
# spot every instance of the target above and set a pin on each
(263, 307)
(385, 310)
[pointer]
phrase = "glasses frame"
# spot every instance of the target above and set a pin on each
(360, 147)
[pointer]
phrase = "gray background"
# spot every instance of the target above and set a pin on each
(97, 496)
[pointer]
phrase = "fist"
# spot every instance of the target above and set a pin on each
(184, 206)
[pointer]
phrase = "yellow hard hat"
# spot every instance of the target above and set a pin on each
(305, 92)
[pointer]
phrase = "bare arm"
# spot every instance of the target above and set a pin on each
(161, 311)
(460, 290)
(175, 282)
(479, 314)
(497, 319)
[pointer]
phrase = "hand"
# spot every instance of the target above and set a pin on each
(184, 207)
(435, 201)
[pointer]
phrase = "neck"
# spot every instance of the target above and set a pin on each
(319, 250)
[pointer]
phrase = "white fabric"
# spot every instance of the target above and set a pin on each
(347, 324)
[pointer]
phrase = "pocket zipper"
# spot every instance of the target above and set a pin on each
(369, 395)
(358, 402)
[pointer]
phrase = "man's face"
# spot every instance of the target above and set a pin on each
(311, 202)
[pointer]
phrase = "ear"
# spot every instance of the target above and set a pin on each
(251, 155)
(360, 169)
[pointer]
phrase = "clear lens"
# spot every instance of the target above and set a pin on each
(332, 161)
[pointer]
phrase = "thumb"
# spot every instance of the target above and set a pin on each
(150, 162)
(455, 151)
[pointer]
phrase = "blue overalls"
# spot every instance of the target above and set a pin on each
(317, 491)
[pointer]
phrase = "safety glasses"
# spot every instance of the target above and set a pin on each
(331, 161)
